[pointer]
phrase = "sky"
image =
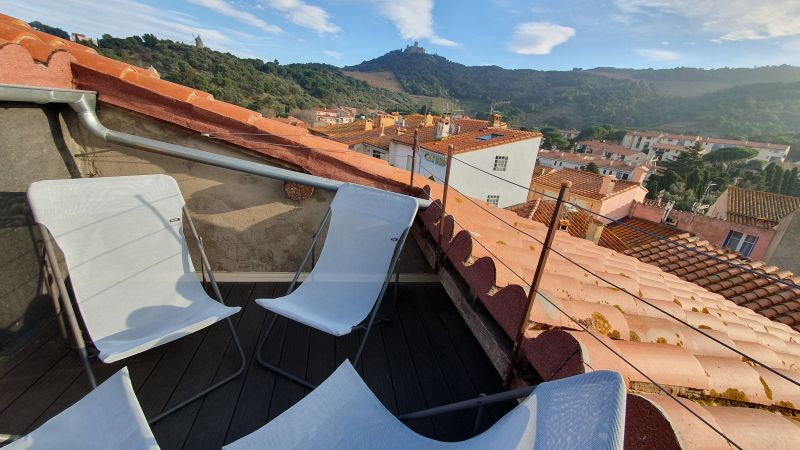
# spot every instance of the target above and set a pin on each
(544, 34)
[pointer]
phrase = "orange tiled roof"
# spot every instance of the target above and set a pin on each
(671, 353)
(665, 146)
(771, 299)
(598, 147)
(470, 141)
(758, 208)
(577, 221)
(585, 184)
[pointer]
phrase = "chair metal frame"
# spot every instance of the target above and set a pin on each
(77, 334)
(370, 321)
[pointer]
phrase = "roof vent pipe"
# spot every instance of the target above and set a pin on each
(84, 102)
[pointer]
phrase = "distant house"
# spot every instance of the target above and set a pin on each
(328, 116)
(569, 134)
(613, 152)
(635, 168)
(486, 154)
(601, 194)
(82, 38)
(671, 145)
(759, 224)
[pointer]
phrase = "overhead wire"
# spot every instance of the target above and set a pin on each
(590, 333)
(637, 297)
(730, 263)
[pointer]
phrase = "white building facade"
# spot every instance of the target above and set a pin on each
(513, 161)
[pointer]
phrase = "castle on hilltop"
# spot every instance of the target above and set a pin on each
(414, 48)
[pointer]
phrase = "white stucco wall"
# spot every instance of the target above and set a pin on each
(521, 159)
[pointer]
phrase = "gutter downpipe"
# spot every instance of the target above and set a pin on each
(84, 103)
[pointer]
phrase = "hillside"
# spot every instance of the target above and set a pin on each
(724, 102)
(252, 83)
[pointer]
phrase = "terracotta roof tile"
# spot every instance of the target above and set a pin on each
(468, 141)
(584, 183)
(757, 208)
(554, 348)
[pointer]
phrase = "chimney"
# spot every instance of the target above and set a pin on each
(443, 128)
(368, 125)
(638, 174)
(384, 120)
(428, 120)
(495, 120)
(594, 230)
(383, 129)
(607, 185)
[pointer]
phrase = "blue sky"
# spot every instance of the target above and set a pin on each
(547, 35)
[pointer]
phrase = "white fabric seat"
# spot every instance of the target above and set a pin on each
(585, 411)
(128, 261)
(109, 417)
(366, 227)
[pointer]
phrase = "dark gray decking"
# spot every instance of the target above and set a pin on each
(425, 357)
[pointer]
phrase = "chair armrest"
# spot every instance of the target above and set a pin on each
(468, 404)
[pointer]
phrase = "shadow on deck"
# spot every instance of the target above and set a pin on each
(426, 356)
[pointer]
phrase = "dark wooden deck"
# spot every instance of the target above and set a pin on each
(426, 356)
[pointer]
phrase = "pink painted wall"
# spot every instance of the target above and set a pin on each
(618, 206)
(647, 212)
(715, 230)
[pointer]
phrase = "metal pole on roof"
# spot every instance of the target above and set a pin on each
(537, 278)
(444, 207)
(413, 160)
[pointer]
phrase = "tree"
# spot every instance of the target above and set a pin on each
(591, 167)
(552, 139)
(731, 154)
(49, 30)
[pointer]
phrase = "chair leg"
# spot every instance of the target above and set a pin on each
(219, 384)
(273, 367)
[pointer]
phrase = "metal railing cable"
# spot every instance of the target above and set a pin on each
(727, 262)
(637, 297)
(760, 274)
(590, 333)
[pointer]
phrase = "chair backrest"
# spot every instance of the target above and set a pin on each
(107, 417)
(123, 244)
(584, 411)
(365, 229)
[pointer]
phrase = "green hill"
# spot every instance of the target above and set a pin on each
(249, 82)
(725, 102)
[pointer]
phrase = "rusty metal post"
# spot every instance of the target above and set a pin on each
(413, 160)
(440, 254)
(537, 278)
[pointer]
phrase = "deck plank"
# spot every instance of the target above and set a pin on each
(173, 430)
(213, 420)
(423, 357)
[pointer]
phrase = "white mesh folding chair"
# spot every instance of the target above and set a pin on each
(368, 228)
(585, 411)
(129, 265)
(107, 417)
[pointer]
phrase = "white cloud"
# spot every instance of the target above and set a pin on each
(724, 20)
(538, 38)
(225, 8)
(332, 54)
(414, 20)
(99, 18)
(656, 54)
(304, 15)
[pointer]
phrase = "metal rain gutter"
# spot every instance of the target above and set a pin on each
(84, 103)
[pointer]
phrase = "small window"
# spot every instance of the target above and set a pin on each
(493, 200)
(624, 176)
(740, 242)
(377, 154)
(489, 137)
(500, 163)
